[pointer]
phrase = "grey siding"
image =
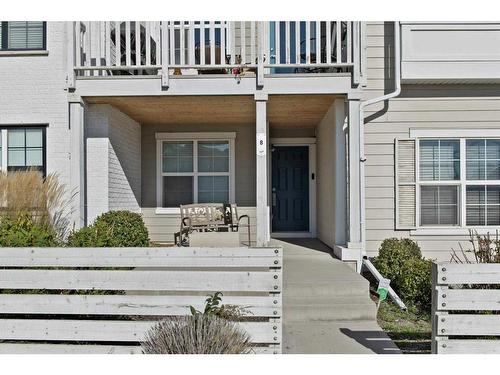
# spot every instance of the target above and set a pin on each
(418, 107)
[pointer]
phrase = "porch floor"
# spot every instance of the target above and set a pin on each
(326, 304)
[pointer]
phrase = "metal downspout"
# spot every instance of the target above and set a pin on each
(396, 92)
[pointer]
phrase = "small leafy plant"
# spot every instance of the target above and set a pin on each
(213, 306)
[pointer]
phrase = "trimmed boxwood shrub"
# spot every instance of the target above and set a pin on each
(401, 261)
(112, 229)
(23, 231)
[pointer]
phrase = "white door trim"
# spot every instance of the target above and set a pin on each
(311, 143)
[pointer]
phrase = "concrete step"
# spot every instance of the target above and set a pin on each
(339, 288)
(340, 308)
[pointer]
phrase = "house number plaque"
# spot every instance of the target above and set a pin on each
(261, 144)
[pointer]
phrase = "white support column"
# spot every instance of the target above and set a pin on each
(340, 172)
(77, 162)
(262, 146)
(354, 175)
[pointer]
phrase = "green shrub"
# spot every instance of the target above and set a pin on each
(401, 261)
(112, 229)
(23, 231)
(416, 285)
(393, 254)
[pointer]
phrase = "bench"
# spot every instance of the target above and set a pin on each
(209, 218)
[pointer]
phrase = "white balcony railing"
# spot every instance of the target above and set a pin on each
(182, 47)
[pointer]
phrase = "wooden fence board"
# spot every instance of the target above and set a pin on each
(456, 346)
(469, 299)
(139, 257)
(111, 330)
(269, 306)
(139, 280)
(91, 349)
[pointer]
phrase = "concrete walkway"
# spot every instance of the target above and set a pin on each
(326, 305)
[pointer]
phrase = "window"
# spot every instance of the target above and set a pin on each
(459, 182)
(23, 148)
(23, 35)
(195, 170)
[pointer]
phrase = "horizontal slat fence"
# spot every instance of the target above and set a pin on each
(466, 308)
(103, 300)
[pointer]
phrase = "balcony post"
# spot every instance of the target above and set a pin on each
(77, 161)
(164, 54)
(70, 62)
(261, 54)
(262, 139)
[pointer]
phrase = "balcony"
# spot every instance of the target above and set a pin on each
(167, 49)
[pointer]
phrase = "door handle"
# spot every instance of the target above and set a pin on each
(274, 199)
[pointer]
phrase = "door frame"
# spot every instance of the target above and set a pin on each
(311, 144)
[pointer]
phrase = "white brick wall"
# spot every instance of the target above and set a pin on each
(96, 138)
(124, 176)
(33, 91)
(113, 161)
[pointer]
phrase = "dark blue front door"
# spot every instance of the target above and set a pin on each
(290, 189)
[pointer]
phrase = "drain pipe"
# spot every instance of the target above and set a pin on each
(396, 92)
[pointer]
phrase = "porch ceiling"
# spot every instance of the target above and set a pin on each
(285, 111)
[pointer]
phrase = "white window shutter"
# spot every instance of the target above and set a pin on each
(405, 183)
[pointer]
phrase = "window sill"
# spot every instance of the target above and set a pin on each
(25, 53)
(452, 231)
(167, 211)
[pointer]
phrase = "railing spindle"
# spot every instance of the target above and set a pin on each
(137, 43)
(328, 36)
(212, 42)
(243, 42)
(148, 42)
(222, 29)
(118, 44)
(277, 54)
(107, 42)
(297, 43)
(318, 42)
(191, 44)
(202, 42)
(308, 42)
(182, 40)
(128, 57)
(338, 37)
(287, 41)
(232, 37)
